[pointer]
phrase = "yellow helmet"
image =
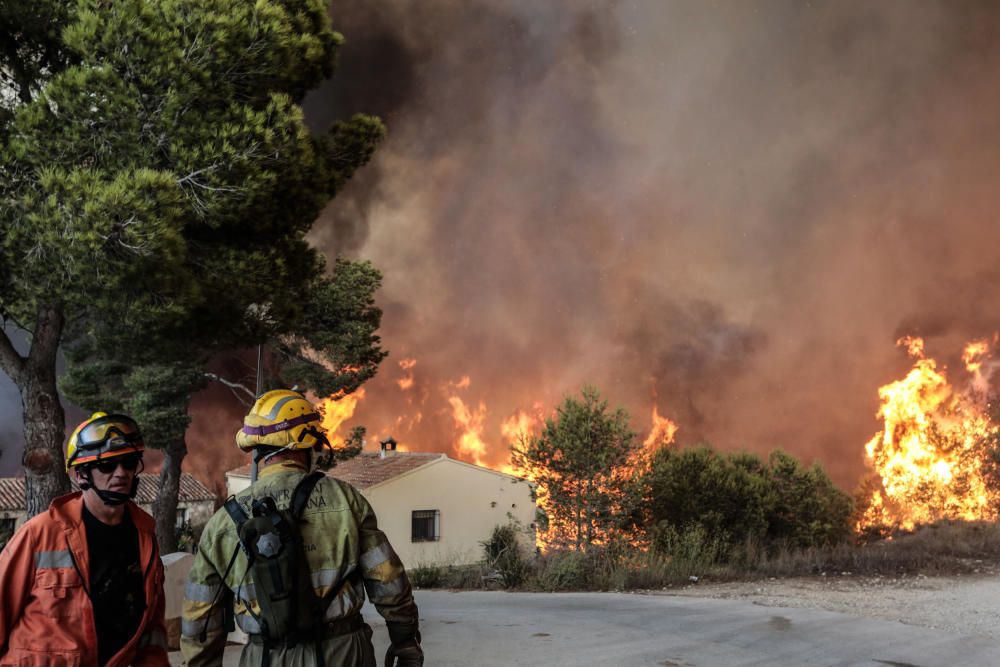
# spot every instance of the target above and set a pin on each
(281, 418)
(101, 437)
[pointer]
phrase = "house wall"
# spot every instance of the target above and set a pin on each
(198, 512)
(471, 501)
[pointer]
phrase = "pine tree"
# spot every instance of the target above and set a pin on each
(156, 183)
(575, 460)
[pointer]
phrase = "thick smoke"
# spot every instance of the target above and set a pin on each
(731, 209)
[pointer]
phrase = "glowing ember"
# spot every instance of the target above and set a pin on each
(931, 454)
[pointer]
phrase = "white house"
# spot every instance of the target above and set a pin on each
(434, 509)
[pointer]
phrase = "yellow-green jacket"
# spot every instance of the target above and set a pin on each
(347, 555)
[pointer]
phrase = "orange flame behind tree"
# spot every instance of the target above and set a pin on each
(336, 410)
(519, 428)
(932, 454)
(470, 424)
(661, 434)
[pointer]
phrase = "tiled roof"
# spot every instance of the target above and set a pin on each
(11, 494)
(191, 490)
(368, 468)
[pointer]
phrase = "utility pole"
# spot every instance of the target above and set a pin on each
(260, 390)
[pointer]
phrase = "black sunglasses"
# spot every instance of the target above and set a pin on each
(129, 463)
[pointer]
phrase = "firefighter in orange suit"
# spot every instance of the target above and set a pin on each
(82, 584)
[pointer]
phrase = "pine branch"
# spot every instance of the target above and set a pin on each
(238, 390)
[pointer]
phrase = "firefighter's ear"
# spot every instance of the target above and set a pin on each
(83, 480)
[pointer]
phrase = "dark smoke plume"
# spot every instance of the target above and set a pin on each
(728, 209)
(731, 209)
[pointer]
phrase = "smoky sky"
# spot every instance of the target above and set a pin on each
(728, 210)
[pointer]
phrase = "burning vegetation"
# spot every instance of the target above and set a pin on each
(935, 457)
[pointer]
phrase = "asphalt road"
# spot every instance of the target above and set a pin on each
(486, 629)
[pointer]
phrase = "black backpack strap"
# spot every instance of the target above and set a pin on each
(239, 517)
(300, 496)
(236, 512)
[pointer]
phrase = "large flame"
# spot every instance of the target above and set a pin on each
(931, 456)
(662, 433)
(469, 422)
(335, 411)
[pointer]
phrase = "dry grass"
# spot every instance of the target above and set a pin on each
(944, 548)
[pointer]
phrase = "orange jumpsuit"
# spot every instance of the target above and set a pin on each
(46, 618)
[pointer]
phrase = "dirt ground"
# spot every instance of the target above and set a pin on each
(963, 604)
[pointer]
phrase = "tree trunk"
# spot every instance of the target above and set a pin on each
(44, 419)
(579, 517)
(165, 505)
(590, 514)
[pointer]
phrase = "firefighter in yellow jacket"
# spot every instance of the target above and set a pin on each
(336, 538)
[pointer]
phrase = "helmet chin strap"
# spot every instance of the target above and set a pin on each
(112, 498)
(321, 461)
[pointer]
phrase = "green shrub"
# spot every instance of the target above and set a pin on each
(567, 571)
(691, 548)
(807, 509)
(186, 540)
(464, 577)
(698, 487)
(740, 500)
(503, 557)
(427, 576)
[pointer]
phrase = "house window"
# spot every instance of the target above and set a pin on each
(181, 516)
(426, 525)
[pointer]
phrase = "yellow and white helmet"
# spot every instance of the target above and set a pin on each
(281, 418)
(102, 437)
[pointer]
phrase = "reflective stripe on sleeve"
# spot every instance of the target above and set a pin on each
(376, 556)
(53, 559)
(200, 592)
(378, 590)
